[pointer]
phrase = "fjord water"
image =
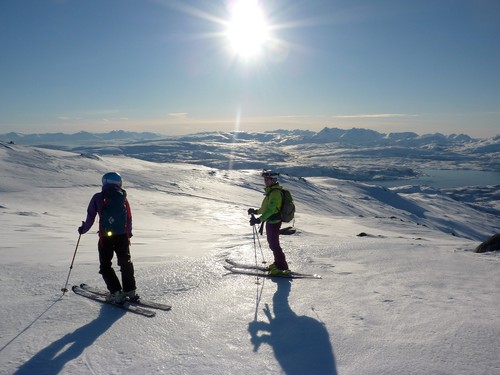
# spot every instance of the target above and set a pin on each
(448, 179)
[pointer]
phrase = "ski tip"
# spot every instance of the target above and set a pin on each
(308, 276)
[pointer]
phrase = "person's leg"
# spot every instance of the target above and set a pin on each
(122, 250)
(273, 239)
(105, 248)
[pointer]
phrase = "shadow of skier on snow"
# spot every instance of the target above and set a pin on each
(54, 357)
(301, 344)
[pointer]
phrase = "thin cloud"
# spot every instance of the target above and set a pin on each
(375, 115)
(115, 119)
(106, 114)
(178, 114)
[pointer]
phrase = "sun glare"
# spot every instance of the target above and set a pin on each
(247, 29)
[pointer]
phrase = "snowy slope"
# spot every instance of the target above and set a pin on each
(408, 298)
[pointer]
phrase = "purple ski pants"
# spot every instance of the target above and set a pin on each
(273, 239)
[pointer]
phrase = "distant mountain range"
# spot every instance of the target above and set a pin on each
(76, 138)
(354, 136)
(347, 154)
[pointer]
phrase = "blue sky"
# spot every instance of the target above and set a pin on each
(165, 66)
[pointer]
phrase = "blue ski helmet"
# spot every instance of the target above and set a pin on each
(112, 178)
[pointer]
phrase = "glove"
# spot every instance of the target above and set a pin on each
(254, 220)
(252, 211)
(80, 228)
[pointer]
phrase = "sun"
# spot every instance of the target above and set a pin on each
(247, 30)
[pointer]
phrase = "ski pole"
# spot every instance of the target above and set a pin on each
(258, 298)
(254, 244)
(255, 234)
(260, 246)
(64, 290)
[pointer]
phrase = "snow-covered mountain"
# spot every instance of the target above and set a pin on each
(356, 154)
(402, 292)
(354, 136)
(61, 139)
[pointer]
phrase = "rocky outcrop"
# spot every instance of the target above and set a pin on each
(491, 244)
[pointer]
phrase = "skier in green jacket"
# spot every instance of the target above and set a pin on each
(269, 212)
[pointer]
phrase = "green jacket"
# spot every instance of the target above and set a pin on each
(271, 205)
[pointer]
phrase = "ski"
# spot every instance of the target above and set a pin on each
(246, 266)
(253, 270)
(140, 302)
(259, 273)
(126, 305)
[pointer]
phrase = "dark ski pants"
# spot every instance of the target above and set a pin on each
(273, 239)
(119, 245)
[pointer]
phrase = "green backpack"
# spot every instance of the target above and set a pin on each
(287, 207)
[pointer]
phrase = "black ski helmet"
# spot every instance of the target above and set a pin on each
(112, 178)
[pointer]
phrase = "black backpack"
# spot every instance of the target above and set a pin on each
(113, 219)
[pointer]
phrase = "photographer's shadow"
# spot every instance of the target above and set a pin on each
(55, 356)
(301, 344)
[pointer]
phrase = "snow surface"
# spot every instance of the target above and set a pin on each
(408, 297)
